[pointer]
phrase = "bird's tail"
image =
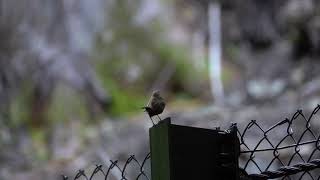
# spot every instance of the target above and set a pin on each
(146, 108)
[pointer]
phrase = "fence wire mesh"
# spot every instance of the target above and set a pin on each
(289, 149)
(115, 171)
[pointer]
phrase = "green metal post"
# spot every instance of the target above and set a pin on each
(189, 153)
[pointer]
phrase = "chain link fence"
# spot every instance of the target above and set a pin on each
(289, 149)
(115, 171)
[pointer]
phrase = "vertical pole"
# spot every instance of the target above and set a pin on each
(159, 145)
(181, 152)
(215, 65)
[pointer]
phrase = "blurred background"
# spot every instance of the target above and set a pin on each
(74, 74)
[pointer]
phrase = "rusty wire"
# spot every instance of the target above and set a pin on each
(106, 172)
(284, 142)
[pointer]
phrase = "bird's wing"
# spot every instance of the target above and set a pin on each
(162, 104)
(154, 101)
(158, 105)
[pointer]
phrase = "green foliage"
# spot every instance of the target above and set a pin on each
(130, 96)
(176, 55)
(126, 46)
(125, 100)
(20, 107)
(39, 142)
(66, 104)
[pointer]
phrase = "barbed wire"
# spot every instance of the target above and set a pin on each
(114, 166)
(294, 136)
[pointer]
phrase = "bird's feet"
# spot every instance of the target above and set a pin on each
(159, 118)
(152, 121)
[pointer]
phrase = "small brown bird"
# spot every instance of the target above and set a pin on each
(155, 105)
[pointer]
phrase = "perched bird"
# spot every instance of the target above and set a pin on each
(155, 105)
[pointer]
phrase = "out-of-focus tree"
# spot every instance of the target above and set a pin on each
(38, 53)
(42, 53)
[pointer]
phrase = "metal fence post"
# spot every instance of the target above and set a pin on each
(181, 152)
